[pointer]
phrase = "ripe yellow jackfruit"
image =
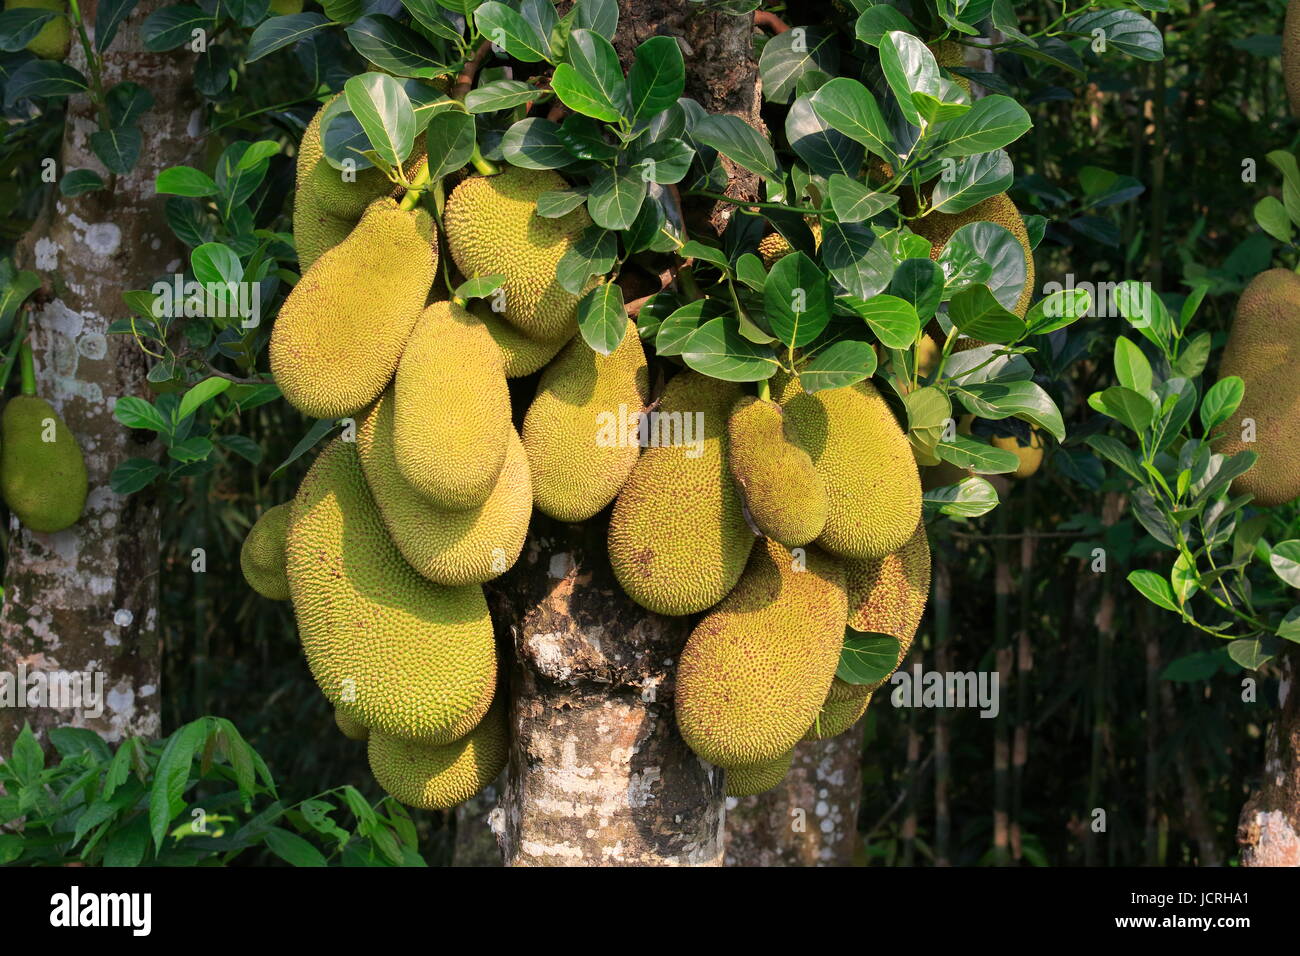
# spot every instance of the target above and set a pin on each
(678, 540)
(453, 548)
(1291, 55)
(781, 488)
(350, 728)
(407, 657)
(948, 54)
(887, 596)
(756, 669)
(262, 556)
(523, 355)
(756, 777)
(42, 473)
(938, 227)
(341, 331)
(864, 458)
(55, 38)
(1031, 455)
(576, 432)
(451, 409)
(1264, 350)
(439, 777)
(493, 229)
(837, 716)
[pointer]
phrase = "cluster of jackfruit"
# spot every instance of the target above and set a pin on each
(42, 472)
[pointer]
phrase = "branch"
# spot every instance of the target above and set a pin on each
(665, 280)
(465, 81)
(767, 20)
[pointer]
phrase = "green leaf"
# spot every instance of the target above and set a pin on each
(134, 412)
(395, 48)
(185, 181)
(560, 202)
(991, 123)
(788, 56)
(977, 313)
(1274, 219)
(977, 178)
(615, 199)
(717, 349)
(862, 265)
(510, 32)
(270, 35)
(196, 448)
(878, 20)
(593, 254)
(855, 202)
(910, 67)
(676, 329)
(1117, 453)
(657, 77)
(292, 848)
(968, 498)
(977, 456)
(318, 430)
(920, 282)
(1289, 629)
(133, 474)
(1131, 366)
(1143, 309)
(602, 317)
(382, 108)
(479, 287)
(500, 95)
(535, 143)
(43, 78)
(172, 776)
(1220, 401)
(820, 145)
(1155, 589)
(986, 247)
(78, 181)
(797, 300)
(892, 319)
(1184, 579)
(739, 142)
(1027, 400)
(843, 363)
(19, 26)
(173, 26)
(593, 58)
(580, 96)
(1057, 310)
(1125, 406)
(1285, 561)
(201, 393)
(1253, 653)
(849, 107)
(867, 658)
(1124, 30)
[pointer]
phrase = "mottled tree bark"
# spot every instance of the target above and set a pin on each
(86, 599)
(1269, 830)
(811, 819)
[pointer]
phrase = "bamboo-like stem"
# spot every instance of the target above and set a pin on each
(27, 368)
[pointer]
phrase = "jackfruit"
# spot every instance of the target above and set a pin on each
(284, 8)
(523, 355)
(350, 728)
(948, 53)
(439, 777)
(493, 229)
(341, 331)
(887, 596)
(55, 38)
(42, 473)
(756, 777)
(576, 431)
(756, 669)
(781, 488)
(451, 409)
(452, 548)
(1291, 55)
(872, 486)
(938, 227)
(407, 657)
(1262, 349)
(837, 716)
(774, 247)
(342, 198)
(262, 556)
(1031, 455)
(678, 540)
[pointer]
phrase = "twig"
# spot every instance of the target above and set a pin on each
(465, 81)
(767, 20)
(665, 280)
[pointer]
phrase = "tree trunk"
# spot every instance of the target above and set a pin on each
(811, 817)
(1269, 829)
(86, 599)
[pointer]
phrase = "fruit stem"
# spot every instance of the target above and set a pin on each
(482, 165)
(27, 368)
(687, 279)
(765, 390)
(412, 195)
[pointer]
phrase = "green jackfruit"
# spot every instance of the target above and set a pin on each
(774, 247)
(755, 670)
(42, 473)
(439, 777)
(837, 716)
(451, 411)
(756, 777)
(452, 548)
(1264, 350)
(407, 657)
(55, 38)
(1291, 55)
(887, 596)
(938, 227)
(576, 427)
(781, 488)
(678, 540)
(285, 8)
(948, 54)
(523, 355)
(341, 331)
(872, 487)
(262, 556)
(493, 229)
(350, 728)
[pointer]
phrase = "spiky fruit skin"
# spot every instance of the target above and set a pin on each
(493, 229)
(451, 409)
(55, 38)
(949, 54)
(774, 247)
(1291, 55)
(43, 482)
(522, 355)
(938, 227)
(349, 727)
(678, 540)
(836, 717)
(873, 490)
(887, 596)
(756, 669)
(756, 777)
(781, 488)
(341, 331)
(575, 428)
(345, 199)
(439, 777)
(261, 557)
(453, 548)
(1264, 350)
(1031, 455)
(405, 656)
